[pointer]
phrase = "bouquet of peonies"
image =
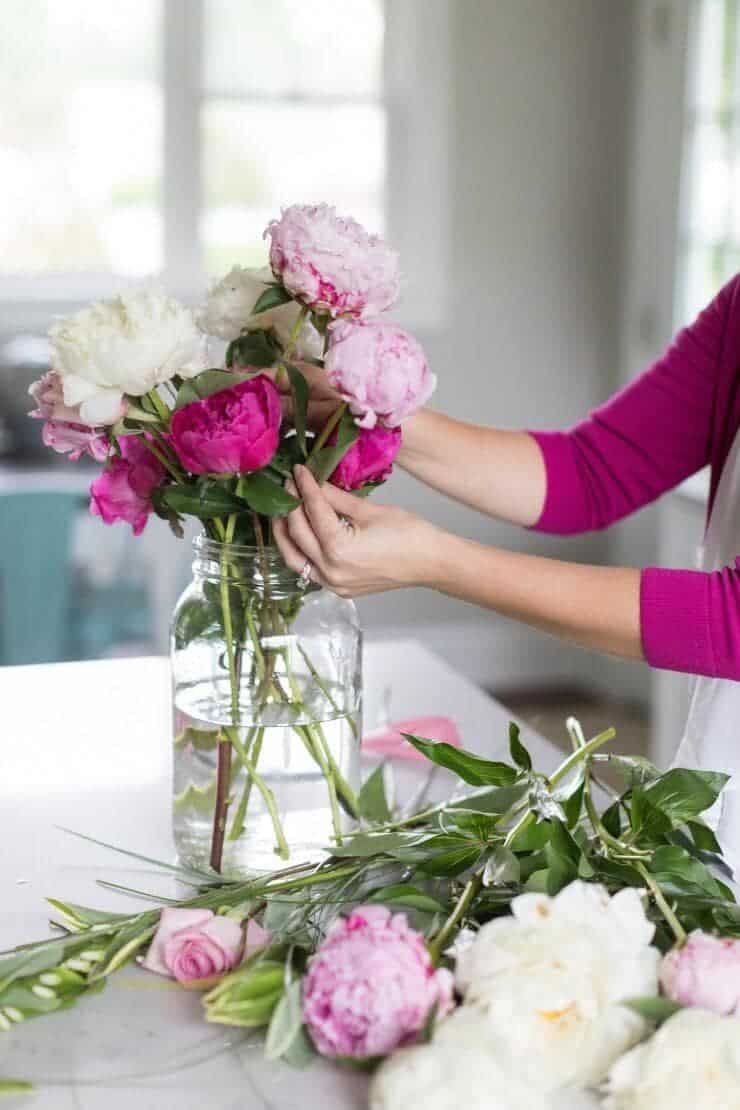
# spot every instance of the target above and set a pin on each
(130, 387)
(513, 948)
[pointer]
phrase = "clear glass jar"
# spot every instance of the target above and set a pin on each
(267, 703)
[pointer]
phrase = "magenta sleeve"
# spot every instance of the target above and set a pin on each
(645, 440)
(690, 620)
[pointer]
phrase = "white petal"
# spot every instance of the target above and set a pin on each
(104, 407)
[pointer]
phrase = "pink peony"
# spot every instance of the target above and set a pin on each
(234, 431)
(371, 985)
(75, 439)
(192, 944)
(704, 973)
(380, 369)
(331, 263)
(124, 489)
(369, 459)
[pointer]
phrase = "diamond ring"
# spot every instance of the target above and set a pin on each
(304, 578)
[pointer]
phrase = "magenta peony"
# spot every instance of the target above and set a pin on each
(705, 972)
(371, 985)
(124, 489)
(369, 459)
(379, 369)
(331, 263)
(193, 944)
(234, 431)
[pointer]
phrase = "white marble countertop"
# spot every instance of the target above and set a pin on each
(86, 745)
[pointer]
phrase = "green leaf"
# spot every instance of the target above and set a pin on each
(273, 296)
(674, 866)
(634, 769)
(259, 349)
(373, 802)
(452, 861)
(704, 838)
(301, 391)
(470, 768)
(374, 844)
(206, 498)
(286, 1022)
(405, 895)
(647, 820)
(570, 798)
(206, 384)
(300, 1052)
(682, 794)
(325, 462)
(656, 1010)
(265, 496)
(496, 800)
(502, 868)
(611, 819)
(201, 739)
(519, 754)
(15, 1087)
(563, 857)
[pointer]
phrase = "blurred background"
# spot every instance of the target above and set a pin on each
(560, 176)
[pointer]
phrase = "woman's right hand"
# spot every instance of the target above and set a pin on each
(323, 398)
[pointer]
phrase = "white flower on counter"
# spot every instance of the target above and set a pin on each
(462, 1070)
(127, 345)
(228, 311)
(692, 1063)
(547, 981)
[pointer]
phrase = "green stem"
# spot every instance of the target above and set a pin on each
(290, 345)
(326, 692)
(471, 889)
(162, 458)
(660, 900)
(268, 797)
(326, 431)
(160, 407)
(223, 757)
(253, 748)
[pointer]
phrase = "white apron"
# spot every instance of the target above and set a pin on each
(711, 741)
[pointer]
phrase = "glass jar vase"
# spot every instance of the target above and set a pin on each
(267, 713)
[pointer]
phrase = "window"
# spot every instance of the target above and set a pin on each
(157, 137)
(709, 233)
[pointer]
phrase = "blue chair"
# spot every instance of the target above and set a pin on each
(35, 574)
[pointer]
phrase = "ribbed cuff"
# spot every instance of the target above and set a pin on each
(562, 513)
(674, 620)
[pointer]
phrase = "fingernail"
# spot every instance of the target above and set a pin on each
(298, 470)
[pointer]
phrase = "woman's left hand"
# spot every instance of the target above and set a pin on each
(355, 548)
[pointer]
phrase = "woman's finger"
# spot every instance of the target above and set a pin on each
(294, 558)
(301, 532)
(319, 511)
(346, 504)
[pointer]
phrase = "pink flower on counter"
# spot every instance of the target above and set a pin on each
(193, 944)
(379, 369)
(705, 972)
(75, 440)
(234, 431)
(124, 489)
(330, 262)
(369, 459)
(371, 985)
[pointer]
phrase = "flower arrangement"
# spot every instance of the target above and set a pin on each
(131, 387)
(513, 947)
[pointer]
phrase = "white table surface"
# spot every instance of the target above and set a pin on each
(86, 745)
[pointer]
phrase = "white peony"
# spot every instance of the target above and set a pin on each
(228, 311)
(462, 1070)
(546, 982)
(127, 345)
(692, 1063)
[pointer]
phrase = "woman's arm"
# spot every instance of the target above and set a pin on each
(500, 473)
(387, 548)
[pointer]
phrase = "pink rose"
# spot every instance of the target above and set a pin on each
(192, 944)
(379, 369)
(704, 973)
(371, 985)
(369, 459)
(124, 489)
(75, 439)
(48, 394)
(234, 431)
(331, 263)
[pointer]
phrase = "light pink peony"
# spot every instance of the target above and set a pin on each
(48, 393)
(234, 431)
(704, 973)
(369, 459)
(192, 944)
(124, 489)
(371, 985)
(75, 440)
(380, 369)
(330, 263)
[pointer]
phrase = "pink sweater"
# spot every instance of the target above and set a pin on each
(679, 415)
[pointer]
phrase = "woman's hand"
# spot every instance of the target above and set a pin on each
(354, 548)
(323, 398)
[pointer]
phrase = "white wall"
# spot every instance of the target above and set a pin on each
(538, 134)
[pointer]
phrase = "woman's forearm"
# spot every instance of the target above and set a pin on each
(500, 473)
(595, 607)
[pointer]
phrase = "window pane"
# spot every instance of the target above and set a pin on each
(259, 157)
(80, 137)
(292, 48)
(709, 183)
